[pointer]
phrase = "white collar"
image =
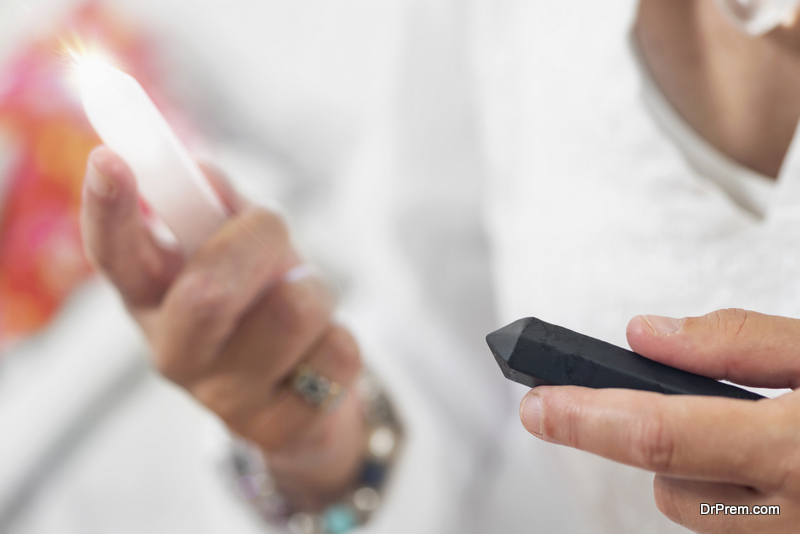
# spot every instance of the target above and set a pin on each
(750, 189)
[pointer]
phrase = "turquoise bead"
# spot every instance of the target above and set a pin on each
(339, 519)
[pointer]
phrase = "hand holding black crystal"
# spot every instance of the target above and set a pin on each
(535, 353)
(703, 448)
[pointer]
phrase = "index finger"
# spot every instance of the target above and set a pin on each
(742, 346)
(705, 438)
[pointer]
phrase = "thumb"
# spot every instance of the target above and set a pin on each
(116, 237)
(742, 346)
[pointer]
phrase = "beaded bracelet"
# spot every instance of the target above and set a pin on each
(254, 484)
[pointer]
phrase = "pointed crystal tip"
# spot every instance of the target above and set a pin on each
(503, 341)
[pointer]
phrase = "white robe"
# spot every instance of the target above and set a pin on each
(452, 167)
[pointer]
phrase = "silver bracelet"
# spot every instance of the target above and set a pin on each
(252, 481)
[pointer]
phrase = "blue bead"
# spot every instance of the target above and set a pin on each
(339, 519)
(372, 474)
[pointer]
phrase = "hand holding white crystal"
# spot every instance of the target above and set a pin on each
(168, 178)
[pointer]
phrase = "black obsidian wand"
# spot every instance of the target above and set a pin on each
(536, 353)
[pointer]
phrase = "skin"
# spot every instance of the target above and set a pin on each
(702, 449)
(737, 91)
(228, 326)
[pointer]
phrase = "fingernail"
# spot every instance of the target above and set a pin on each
(100, 184)
(662, 325)
(530, 412)
(298, 272)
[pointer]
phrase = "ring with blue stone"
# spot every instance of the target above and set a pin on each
(316, 389)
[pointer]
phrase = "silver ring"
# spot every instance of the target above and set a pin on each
(316, 389)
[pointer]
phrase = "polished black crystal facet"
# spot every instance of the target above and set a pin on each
(536, 353)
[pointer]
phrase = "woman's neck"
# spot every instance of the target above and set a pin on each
(741, 93)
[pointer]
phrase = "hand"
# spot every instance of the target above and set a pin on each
(228, 326)
(702, 449)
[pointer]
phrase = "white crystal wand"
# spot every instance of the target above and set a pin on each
(168, 178)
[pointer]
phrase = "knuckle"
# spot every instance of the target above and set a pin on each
(566, 426)
(198, 303)
(269, 227)
(654, 445)
(343, 353)
(298, 309)
(201, 297)
(729, 322)
(173, 360)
